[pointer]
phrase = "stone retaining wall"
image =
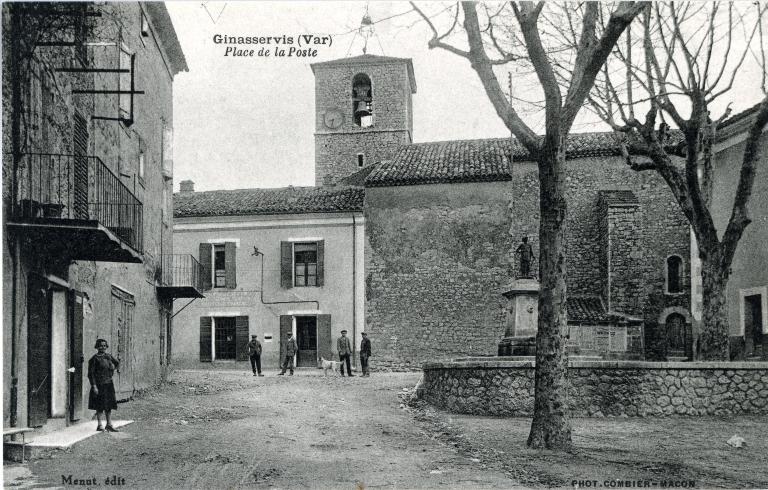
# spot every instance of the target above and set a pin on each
(601, 388)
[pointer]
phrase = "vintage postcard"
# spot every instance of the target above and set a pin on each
(534, 233)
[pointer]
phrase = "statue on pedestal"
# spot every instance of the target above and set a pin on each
(526, 258)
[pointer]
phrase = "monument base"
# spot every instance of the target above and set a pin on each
(517, 346)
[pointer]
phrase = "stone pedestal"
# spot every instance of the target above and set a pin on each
(522, 318)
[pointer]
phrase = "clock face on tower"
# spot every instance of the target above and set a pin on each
(333, 119)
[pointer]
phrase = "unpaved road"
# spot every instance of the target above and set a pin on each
(225, 429)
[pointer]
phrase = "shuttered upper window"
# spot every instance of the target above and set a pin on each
(302, 264)
(219, 265)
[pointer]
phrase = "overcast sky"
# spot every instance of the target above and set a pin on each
(248, 122)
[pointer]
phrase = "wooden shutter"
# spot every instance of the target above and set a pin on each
(230, 261)
(286, 266)
(80, 173)
(321, 262)
(241, 337)
(206, 323)
(38, 351)
(324, 337)
(286, 326)
(206, 250)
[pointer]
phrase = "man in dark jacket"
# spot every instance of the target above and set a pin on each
(344, 346)
(254, 353)
(365, 353)
(290, 352)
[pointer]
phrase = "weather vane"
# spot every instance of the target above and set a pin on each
(366, 29)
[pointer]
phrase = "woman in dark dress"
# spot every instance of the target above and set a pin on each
(102, 397)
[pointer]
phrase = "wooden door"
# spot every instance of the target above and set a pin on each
(324, 337)
(306, 339)
(38, 351)
(76, 357)
(676, 335)
(286, 326)
(120, 345)
(753, 326)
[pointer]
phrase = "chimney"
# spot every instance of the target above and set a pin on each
(186, 186)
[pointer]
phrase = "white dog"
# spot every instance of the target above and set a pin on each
(334, 366)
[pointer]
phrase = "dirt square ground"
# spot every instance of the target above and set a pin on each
(228, 429)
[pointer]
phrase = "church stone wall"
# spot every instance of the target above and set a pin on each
(438, 255)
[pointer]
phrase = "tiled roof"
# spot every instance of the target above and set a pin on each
(586, 309)
(283, 200)
(739, 116)
(446, 161)
(475, 160)
(618, 197)
(358, 178)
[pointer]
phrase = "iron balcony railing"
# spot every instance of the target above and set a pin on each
(76, 187)
(181, 270)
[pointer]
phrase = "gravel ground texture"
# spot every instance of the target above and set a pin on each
(228, 429)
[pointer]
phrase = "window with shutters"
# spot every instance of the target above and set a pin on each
(219, 266)
(305, 264)
(302, 263)
(224, 338)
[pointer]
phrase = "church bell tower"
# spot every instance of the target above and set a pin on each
(363, 113)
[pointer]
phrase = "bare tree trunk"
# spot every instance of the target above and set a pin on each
(551, 428)
(713, 341)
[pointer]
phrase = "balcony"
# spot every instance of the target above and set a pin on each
(74, 207)
(181, 277)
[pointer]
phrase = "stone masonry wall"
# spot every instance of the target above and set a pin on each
(601, 389)
(436, 260)
(627, 248)
(437, 255)
(336, 154)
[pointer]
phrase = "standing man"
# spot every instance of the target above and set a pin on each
(365, 353)
(290, 352)
(345, 351)
(254, 353)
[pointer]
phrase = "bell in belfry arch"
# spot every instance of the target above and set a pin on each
(362, 109)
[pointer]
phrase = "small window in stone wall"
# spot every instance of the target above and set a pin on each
(360, 160)
(674, 279)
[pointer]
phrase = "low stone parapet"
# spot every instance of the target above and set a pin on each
(504, 387)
